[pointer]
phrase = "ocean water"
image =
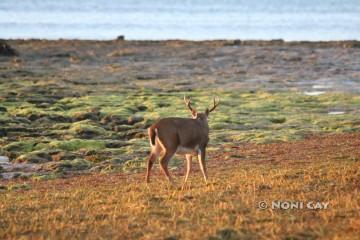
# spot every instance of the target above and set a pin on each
(181, 19)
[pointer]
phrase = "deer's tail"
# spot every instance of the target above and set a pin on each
(152, 135)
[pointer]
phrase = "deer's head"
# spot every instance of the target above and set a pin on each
(200, 116)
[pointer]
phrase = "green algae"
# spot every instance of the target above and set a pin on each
(18, 186)
(35, 157)
(77, 144)
(73, 165)
(20, 147)
(116, 123)
(49, 176)
(86, 127)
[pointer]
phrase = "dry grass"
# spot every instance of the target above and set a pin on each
(120, 206)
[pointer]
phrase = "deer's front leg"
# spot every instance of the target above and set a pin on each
(201, 157)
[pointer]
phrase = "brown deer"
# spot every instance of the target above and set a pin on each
(188, 136)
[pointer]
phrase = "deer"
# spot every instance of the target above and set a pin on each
(185, 136)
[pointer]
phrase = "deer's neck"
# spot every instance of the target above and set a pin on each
(205, 127)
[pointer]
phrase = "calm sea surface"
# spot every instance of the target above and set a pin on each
(181, 19)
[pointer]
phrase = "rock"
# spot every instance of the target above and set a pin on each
(34, 116)
(118, 160)
(90, 152)
(227, 234)
(18, 119)
(105, 120)
(293, 58)
(11, 175)
(264, 187)
(120, 38)
(7, 50)
(116, 144)
(92, 114)
(43, 105)
(135, 119)
(278, 120)
(61, 55)
(23, 186)
(63, 155)
(86, 133)
(3, 109)
(85, 129)
(4, 159)
(85, 115)
(148, 122)
(35, 157)
(141, 108)
(74, 165)
(135, 133)
(3, 132)
(355, 44)
(139, 125)
(39, 100)
(161, 105)
(114, 120)
(96, 156)
(19, 147)
(140, 135)
(121, 128)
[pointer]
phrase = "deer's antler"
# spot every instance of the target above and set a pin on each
(188, 104)
(215, 104)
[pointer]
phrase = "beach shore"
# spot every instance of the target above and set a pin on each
(73, 142)
(90, 66)
(102, 95)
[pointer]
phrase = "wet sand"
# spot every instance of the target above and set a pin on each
(82, 67)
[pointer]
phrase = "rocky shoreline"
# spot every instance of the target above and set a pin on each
(73, 106)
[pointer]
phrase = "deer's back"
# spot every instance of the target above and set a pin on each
(183, 132)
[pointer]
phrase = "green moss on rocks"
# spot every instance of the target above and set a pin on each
(20, 147)
(19, 186)
(48, 176)
(73, 165)
(117, 123)
(35, 157)
(77, 144)
(86, 129)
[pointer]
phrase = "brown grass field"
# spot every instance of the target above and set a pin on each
(121, 206)
(73, 143)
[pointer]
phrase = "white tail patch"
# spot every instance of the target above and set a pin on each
(158, 139)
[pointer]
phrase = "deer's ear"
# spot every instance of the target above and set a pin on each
(194, 113)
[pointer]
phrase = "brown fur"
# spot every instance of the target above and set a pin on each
(188, 136)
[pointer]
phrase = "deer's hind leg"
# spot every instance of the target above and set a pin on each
(164, 161)
(155, 152)
(150, 162)
(202, 163)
